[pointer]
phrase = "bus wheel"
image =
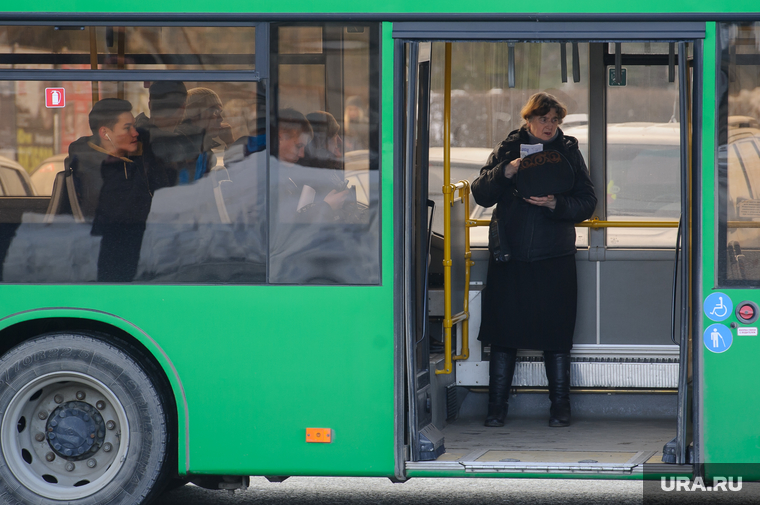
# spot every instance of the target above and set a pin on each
(80, 421)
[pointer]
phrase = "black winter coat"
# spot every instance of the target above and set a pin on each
(112, 190)
(535, 233)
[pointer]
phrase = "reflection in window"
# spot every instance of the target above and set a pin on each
(484, 109)
(645, 48)
(739, 156)
(324, 168)
(159, 186)
(130, 47)
(300, 40)
(643, 154)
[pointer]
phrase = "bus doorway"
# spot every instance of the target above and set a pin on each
(629, 106)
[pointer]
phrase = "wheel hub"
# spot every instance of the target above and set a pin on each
(75, 430)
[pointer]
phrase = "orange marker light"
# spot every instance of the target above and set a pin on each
(319, 435)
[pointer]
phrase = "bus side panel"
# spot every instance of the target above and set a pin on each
(730, 401)
(261, 364)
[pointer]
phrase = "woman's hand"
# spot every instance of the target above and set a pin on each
(542, 201)
(511, 168)
(336, 199)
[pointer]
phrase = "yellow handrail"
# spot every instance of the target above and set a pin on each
(742, 224)
(449, 190)
(463, 187)
(449, 319)
(464, 194)
(597, 223)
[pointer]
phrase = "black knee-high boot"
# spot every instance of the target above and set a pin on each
(500, 372)
(558, 375)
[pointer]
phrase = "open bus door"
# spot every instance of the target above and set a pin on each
(424, 439)
(624, 359)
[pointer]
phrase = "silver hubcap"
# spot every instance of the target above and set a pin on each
(65, 435)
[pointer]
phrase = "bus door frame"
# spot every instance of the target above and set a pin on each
(557, 28)
(423, 438)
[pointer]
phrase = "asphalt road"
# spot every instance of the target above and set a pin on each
(381, 491)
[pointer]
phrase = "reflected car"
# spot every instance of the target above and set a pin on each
(14, 180)
(741, 159)
(43, 176)
(735, 122)
(466, 163)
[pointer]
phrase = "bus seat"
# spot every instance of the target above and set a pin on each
(63, 199)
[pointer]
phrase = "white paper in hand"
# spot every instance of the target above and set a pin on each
(526, 149)
(307, 197)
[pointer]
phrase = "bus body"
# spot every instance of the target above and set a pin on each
(255, 336)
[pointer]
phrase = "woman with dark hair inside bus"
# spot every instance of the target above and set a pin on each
(530, 297)
(325, 152)
(326, 147)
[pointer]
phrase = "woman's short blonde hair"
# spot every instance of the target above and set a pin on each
(540, 104)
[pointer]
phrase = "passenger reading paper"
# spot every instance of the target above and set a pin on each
(541, 270)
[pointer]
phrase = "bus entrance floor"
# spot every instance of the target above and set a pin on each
(605, 428)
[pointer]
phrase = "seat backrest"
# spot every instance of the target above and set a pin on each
(64, 199)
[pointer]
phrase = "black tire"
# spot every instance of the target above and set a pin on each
(80, 421)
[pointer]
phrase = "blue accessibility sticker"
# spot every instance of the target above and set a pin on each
(718, 306)
(718, 338)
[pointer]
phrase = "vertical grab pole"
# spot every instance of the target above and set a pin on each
(448, 200)
(120, 60)
(464, 194)
(94, 64)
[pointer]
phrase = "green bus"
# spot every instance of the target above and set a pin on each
(243, 320)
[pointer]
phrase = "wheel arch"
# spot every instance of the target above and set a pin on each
(23, 326)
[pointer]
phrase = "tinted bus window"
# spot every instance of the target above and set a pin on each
(643, 153)
(484, 110)
(165, 181)
(128, 47)
(324, 165)
(155, 192)
(739, 156)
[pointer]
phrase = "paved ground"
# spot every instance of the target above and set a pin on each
(380, 491)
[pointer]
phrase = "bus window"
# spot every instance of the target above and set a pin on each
(324, 168)
(739, 156)
(484, 109)
(187, 201)
(151, 181)
(129, 47)
(643, 153)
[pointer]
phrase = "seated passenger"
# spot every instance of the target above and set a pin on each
(204, 125)
(307, 243)
(310, 193)
(214, 230)
(162, 144)
(326, 147)
(113, 187)
(325, 151)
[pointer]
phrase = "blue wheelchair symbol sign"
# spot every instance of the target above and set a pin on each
(718, 306)
(718, 338)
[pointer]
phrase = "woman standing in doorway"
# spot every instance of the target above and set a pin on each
(530, 300)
